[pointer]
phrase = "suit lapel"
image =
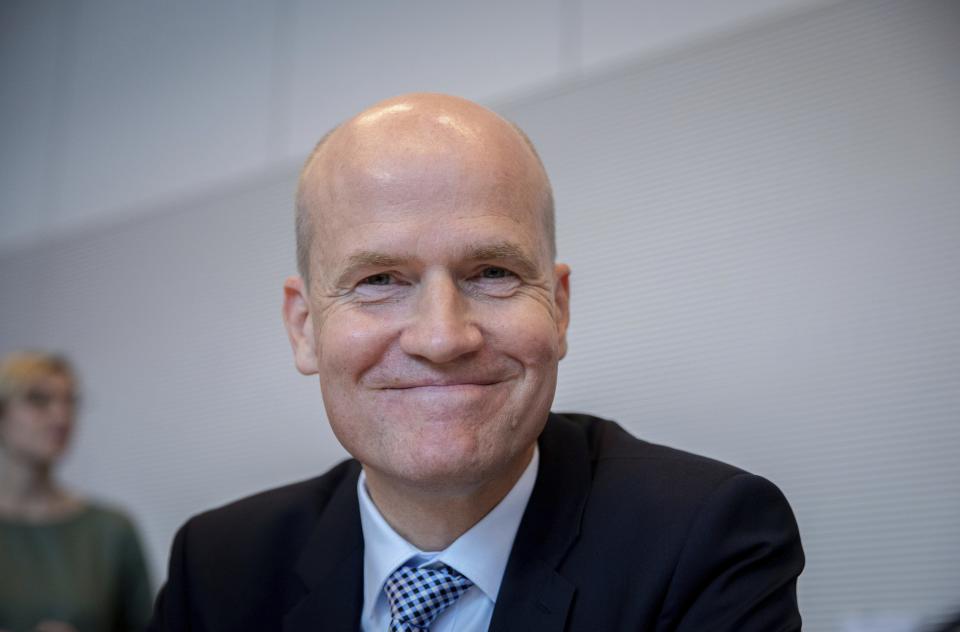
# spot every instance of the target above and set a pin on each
(331, 566)
(534, 595)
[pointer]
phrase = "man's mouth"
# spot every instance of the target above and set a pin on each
(443, 384)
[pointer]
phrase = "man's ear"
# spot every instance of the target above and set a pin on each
(561, 298)
(296, 318)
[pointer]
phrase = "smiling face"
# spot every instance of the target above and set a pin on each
(435, 316)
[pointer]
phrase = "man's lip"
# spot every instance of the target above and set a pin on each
(440, 384)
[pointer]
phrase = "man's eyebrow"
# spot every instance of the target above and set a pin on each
(504, 251)
(368, 259)
(372, 259)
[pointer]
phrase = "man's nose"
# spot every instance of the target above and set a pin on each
(440, 328)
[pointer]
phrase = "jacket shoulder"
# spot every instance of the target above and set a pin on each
(233, 567)
(654, 488)
(681, 541)
(292, 509)
(612, 447)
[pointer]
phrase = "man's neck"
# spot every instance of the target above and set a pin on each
(431, 520)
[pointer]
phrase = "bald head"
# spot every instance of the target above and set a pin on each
(414, 147)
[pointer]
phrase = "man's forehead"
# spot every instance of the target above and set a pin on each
(423, 164)
(431, 154)
(391, 180)
(425, 236)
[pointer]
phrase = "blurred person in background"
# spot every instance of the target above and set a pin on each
(66, 564)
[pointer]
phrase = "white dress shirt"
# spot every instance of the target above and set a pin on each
(480, 554)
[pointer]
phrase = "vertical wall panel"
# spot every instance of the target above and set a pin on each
(162, 98)
(31, 42)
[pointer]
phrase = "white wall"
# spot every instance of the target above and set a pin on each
(763, 228)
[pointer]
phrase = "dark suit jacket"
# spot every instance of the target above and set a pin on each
(619, 534)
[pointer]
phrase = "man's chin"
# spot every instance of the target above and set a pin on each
(450, 473)
(457, 468)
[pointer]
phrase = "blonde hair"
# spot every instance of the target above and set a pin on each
(20, 369)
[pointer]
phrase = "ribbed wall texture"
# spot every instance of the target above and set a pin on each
(765, 239)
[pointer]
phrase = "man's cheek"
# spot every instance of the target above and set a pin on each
(535, 339)
(349, 345)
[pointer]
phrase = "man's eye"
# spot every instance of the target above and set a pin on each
(493, 272)
(378, 279)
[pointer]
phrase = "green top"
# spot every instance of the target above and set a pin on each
(86, 569)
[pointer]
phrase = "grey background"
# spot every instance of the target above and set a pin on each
(762, 223)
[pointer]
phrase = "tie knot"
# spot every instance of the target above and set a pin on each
(418, 595)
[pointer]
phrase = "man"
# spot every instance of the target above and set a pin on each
(431, 308)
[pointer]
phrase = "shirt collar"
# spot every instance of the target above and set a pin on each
(480, 554)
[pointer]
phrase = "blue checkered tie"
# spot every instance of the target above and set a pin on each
(418, 595)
